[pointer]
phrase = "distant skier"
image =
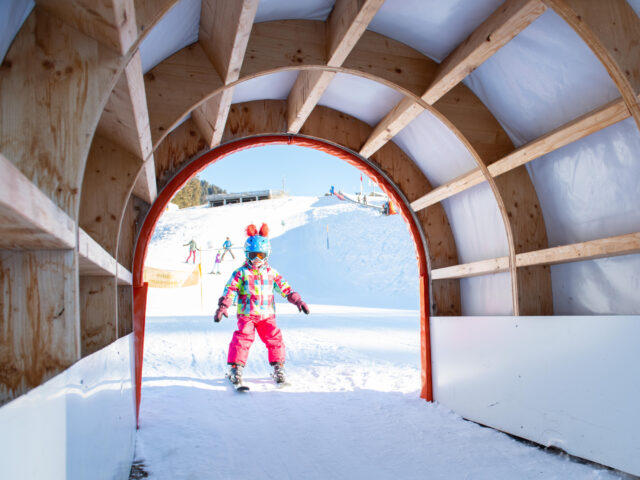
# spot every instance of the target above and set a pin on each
(254, 283)
(192, 250)
(216, 264)
(227, 248)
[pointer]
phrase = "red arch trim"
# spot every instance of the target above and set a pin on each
(182, 177)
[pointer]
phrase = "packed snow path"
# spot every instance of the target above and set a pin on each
(353, 410)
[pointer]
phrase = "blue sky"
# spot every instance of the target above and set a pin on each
(305, 171)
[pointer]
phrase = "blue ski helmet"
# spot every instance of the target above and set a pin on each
(257, 242)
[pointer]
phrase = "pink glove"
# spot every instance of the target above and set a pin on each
(223, 304)
(294, 298)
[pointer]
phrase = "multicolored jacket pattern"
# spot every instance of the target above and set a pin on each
(255, 287)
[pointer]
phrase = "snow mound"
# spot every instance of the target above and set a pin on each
(332, 252)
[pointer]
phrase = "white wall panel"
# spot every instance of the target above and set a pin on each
(432, 27)
(360, 97)
(569, 382)
(543, 78)
(78, 425)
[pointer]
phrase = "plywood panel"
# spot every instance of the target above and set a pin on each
(98, 313)
(176, 86)
(28, 218)
(110, 22)
(125, 310)
(54, 84)
(109, 177)
(287, 43)
(39, 327)
(395, 62)
(183, 143)
(132, 219)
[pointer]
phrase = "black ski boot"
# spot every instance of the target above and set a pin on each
(279, 374)
(235, 374)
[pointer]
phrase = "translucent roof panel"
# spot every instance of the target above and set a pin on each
(476, 223)
(275, 86)
(545, 77)
(439, 154)
(269, 10)
(432, 27)
(360, 97)
(177, 29)
(607, 286)
(590, 189)
(486, 295)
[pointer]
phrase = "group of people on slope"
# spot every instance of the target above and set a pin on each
(226, 246)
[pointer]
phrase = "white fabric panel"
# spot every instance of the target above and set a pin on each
(432, 27)
(360, 97)
(590, 189)
(479, 234)
(78, 425)
(545, 77)
(597, 287)
(476, 224)
(439, 154)
(286, 10)
(487, 295)
(177, 29)
(564, 381)
(274, 86)
(13, 13)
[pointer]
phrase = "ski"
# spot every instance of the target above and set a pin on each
(279, 384)
(238, 386)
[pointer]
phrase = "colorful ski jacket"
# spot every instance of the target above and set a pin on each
(255, 287)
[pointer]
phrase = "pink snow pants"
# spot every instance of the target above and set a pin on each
(243, 338)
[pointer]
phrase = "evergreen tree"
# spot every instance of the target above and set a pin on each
(195, 193)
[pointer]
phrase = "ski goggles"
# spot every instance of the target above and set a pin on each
(254, 255)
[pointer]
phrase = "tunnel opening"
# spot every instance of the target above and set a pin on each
(140, 288)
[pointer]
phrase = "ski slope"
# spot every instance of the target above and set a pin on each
(353, 410)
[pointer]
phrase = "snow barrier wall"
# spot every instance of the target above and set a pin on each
(565, 381)
(78, 425)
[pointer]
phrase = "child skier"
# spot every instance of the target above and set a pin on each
(254, 283)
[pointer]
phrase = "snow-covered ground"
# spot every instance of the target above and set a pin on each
(353, 410)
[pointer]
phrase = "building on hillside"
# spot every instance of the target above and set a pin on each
(220, 199)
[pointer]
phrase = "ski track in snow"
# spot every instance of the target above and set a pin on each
(353, 410)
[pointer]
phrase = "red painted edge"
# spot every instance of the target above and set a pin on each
(177, 182)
